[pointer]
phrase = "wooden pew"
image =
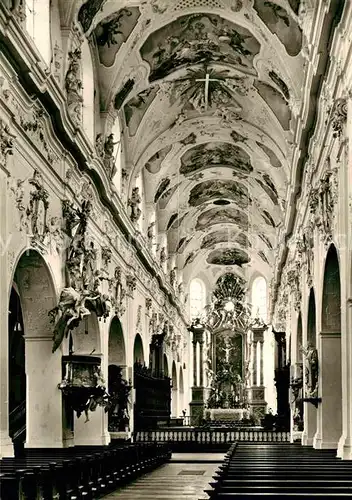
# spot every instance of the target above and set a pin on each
(76, 474)
(275, 470)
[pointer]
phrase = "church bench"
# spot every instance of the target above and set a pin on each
(286, 470)
(84, 476)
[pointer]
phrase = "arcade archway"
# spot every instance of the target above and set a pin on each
(174, 393)
(138, 352)
(35, 411)
(118, 387)
(310, 412)
(330, 377)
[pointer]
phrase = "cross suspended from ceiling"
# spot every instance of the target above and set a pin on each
(207, 79)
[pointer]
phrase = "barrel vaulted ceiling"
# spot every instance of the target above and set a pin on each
(208, 93)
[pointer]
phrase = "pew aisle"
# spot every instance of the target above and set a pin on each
(185, 477)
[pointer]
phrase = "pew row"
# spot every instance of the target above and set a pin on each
(77, 474)
(273, 470)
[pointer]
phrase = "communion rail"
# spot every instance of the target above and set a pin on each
(198, 439)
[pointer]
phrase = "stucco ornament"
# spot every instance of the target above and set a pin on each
(6, 143)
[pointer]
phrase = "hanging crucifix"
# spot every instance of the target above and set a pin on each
(206, 79)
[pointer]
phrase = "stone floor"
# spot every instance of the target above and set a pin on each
(184, 478)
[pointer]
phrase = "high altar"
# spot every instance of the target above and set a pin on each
(228, 375)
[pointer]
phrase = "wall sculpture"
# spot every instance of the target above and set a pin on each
(81, 296)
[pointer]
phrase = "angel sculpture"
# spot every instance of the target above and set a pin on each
(69, 312)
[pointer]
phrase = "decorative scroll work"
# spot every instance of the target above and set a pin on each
(305, 246)
(106, 254)
(323, 199)
(131, 283)
(282, 308)
(293, 280)
(139, 319)
(6, 143)
(82, 295)
(148, 304)
(339, 116)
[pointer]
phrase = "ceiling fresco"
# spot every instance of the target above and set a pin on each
(198, 38)
(275, 162)
(222, 216)
(225, 236)
(215, 155)
(208, 94)
(209, 190)
(280, 23)
(153, 165)
(228, 257)
(136, 108)
(111, 33)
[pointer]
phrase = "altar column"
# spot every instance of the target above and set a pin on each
(256, 392)
(195, 368)
(201, 362)
(198, 392)
(261, 363)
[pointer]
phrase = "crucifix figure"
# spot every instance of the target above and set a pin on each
(227, 350)
(206, 79)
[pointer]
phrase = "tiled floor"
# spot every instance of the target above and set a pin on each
(176, 480)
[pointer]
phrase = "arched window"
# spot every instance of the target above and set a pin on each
(38, 26)
(197, 298)
(259, 298)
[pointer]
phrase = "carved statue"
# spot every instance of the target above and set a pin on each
(82, 295)
(74, 86)
(38, 197)
(311, 370)
(68, 313)
(163, 256)
(109, 161)
(119, 390)
(119, 294)
(133, 202)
